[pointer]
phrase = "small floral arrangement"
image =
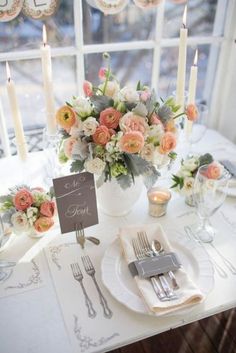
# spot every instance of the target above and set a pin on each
(26, 209)
(184, 179)
(116, 132)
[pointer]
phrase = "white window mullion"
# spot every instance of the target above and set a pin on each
(218, 29)
(79, 43)
(157, 47)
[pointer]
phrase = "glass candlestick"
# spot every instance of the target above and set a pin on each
(51, 148)
(158, 200)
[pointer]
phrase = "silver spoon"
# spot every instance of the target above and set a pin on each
(157, 249)
(93, 240)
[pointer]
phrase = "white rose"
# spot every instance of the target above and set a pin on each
(147, 152)
(95, 166)
(156, 131)
(129, 94)
(89, 126)
(191, 164)
(75, 132)
(110, 146)
(188, 185)
(112, 88)
(82, 106)
(184, 173)
(20, 222)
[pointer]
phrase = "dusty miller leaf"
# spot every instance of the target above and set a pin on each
(77, 166)
(125, 181)
(150, 177)
(101, 103)
(140, 110)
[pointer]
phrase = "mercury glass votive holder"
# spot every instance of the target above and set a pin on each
(158, 199)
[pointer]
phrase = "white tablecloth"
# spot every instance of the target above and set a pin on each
(32, 321)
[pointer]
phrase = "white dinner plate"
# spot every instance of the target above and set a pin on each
(118, 280)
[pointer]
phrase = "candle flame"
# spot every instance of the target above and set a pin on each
(8, 71)
(44, 35)
(195, 58)
(185, 16)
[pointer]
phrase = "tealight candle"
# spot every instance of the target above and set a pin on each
(158, 199)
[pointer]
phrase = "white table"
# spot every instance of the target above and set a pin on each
(32, 322)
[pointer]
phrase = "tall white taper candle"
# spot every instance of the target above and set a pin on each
(192, 91)
(21, 144)
(181, 73)
(48, 85)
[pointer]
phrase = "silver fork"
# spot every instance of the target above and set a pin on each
(144, 239)
(81, 238)
(78, 276)
(90, 270)
(140, 255)
(149, 253)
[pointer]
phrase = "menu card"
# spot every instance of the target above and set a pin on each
(76, 201)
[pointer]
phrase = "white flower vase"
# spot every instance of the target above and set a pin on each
(115, 201)
(32, 233)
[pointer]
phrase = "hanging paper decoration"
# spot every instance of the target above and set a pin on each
(9, 9)
(145, 4)
(39, 8)
(111, 7)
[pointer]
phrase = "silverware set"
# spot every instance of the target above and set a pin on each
(81, 238)
(90, 271)
(219, 269)
(143, 249)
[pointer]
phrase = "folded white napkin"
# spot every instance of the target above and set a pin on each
(188, 292)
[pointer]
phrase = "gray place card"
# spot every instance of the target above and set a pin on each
(76, 201)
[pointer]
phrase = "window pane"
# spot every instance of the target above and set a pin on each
(168, 69)
(24, 33)
(200, 18)
(27, 76)
(128, 67)
(130, 24)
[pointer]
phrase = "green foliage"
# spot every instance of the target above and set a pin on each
(77, 166)
(101, 103)
(125, 181)
(178, 181)
(205, 159)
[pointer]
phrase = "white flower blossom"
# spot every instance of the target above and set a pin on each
(191, 164)
(156, 131)
(31, 213)
(95, 166)
(188, 186)
(89, 126)
(129, 94)
(112, 88)
(20, 222)
(82, 106)
(147, 152)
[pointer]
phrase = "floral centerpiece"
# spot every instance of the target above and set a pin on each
(184, 178)
(116, 132)
(28, 210)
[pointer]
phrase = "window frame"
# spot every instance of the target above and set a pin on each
(80, 49)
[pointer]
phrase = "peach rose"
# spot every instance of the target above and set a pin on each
(68, 146)
(88, 88)
(131, 122)
(170, 126)
(110, 117)
(43, 224)
(131, 142)
(66, 117)
(167, 143)
(155, 120)
(191, 112)
(214, 170)
(23, 199)
(102, 135)
(102, 73)
(47, 208)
